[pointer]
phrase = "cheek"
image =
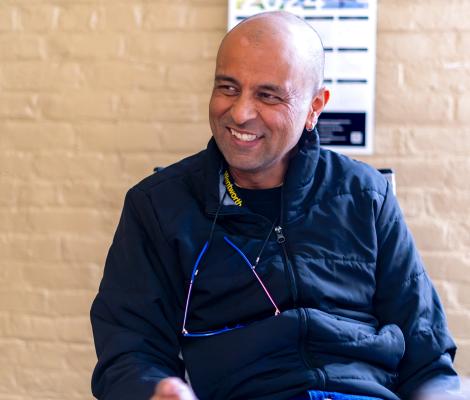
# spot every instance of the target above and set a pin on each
(296, 117)
(212, 107)
(218, 105)
(286, 128)
(279, 121)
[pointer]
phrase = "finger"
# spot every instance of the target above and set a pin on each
(173, 389)
(169, 387)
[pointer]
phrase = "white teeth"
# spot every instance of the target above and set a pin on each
(246, 137)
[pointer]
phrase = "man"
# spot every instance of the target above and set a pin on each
(264, 266)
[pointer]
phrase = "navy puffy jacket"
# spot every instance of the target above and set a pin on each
(359, 313)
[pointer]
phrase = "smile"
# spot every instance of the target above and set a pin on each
(244, 137)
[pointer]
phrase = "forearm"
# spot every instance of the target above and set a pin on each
(133, 317)
(133, 356)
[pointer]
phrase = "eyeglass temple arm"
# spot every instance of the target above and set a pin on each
(193, 274)
(277, 312)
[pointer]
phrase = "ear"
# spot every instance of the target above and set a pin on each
(317, 105)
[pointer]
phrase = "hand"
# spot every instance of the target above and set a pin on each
(173, 389)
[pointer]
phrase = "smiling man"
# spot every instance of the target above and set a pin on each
(264, 266)
(268, 87)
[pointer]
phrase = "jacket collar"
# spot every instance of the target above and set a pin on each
(297, 184)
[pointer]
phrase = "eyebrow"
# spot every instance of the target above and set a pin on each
(226, 78)
(265, 86)
(272, 88)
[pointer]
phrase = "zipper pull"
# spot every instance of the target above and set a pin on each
(280, 236)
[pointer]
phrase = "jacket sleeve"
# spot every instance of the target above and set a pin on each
(134, 322)
(406, 297)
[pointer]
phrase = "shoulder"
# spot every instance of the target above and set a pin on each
(160, 198)
(344, 175)
(174, 175)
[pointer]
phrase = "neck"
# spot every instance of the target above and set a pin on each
(259, 179)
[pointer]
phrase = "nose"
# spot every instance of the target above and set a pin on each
(243, 109)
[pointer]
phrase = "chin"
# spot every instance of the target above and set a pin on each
(243, 167)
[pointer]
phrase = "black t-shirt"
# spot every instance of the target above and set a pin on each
(266, 202)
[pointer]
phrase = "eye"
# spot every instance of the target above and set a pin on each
(228, 90)
(269, 98)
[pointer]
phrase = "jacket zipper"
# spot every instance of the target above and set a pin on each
(281, 239)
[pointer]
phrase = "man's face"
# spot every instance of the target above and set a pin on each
(259, 105)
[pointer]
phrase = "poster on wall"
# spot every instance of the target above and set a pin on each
(348, 31)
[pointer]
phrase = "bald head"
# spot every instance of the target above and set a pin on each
(286, 34)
